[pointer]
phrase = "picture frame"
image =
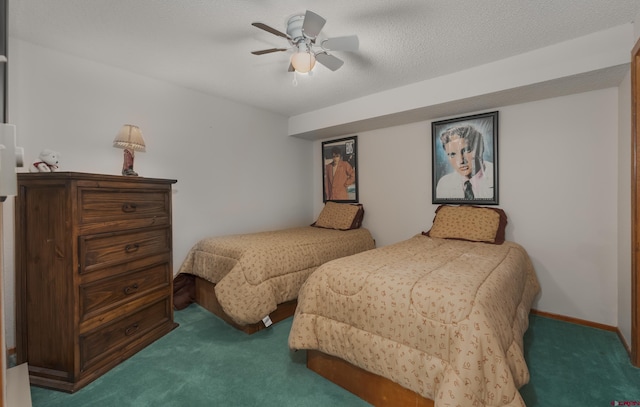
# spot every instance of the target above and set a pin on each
(340, 170)
(465, 160)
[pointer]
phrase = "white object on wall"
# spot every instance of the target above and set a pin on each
(11, 157)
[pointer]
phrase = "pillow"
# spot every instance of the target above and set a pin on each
(472, 223)
(340, 216)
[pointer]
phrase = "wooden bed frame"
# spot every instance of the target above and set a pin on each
(374, 389)
(205, 296)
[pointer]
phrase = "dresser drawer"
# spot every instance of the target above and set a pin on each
(99, 296)
(103, 204)
(107, 249)
(115, 337)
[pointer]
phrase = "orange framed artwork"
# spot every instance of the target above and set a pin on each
(340, 170)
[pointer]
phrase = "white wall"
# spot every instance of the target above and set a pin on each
(624, 210)
(557, 176)
(237, 169)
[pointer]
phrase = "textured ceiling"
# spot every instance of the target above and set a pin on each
(206, 45)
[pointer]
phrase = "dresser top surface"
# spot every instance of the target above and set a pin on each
(67, 175)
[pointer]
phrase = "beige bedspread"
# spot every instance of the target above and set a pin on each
(443, 318)
(255, 272)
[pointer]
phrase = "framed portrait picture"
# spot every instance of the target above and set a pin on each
(465, 160)
(340, 170)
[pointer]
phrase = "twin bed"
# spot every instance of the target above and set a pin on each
(437, 319)
(252, 280)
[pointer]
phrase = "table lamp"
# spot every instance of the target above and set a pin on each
(130, 139)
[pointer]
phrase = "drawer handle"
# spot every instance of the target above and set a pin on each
(129, 207)
(130, 248)
(131, 330)
(131, 289)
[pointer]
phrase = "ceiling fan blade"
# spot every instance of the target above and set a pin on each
(268, 51)
(329, 61)
(313, 24)
(270, 30)
(347, 43)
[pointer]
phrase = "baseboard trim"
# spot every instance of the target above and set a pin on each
(585, 323)
(575, 320)
(12, 358)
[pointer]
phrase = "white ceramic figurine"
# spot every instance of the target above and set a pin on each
(47, 162)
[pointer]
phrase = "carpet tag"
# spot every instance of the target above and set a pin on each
(267, 321)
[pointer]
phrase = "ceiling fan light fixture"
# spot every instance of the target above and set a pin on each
(302, 32)
(303, 62)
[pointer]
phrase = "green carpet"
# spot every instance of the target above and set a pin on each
(205, 362)
(575, 365)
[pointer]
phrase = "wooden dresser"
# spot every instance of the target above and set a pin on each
(93, 273)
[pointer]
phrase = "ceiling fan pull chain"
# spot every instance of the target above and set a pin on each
(295, 79)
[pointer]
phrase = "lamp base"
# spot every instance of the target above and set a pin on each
(127, 165)
(129, 172)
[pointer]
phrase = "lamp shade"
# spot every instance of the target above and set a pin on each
(130, 137)
(303, 62)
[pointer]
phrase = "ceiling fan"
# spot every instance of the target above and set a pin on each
(302, 35)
